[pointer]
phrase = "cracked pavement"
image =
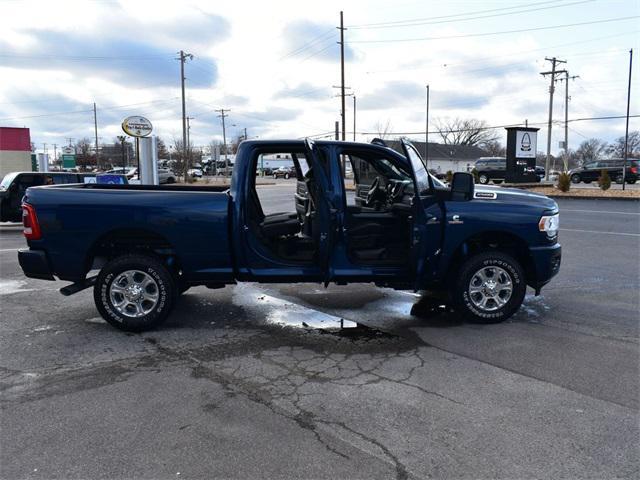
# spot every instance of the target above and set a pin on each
(230, 388)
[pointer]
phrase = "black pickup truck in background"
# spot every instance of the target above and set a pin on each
(495, 168)
(591, 171)
(15, 184)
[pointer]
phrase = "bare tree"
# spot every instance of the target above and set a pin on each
(495, 149)
(163, 153)
(616, 149)
(470, 132)
(182, 163)
(84, 153)
(590, 149)
(383, 129)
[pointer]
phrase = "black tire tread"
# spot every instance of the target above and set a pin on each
(131, 261)
(470, 266)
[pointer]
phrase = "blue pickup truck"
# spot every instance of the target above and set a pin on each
(394, 225)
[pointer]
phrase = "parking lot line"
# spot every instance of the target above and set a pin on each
(599, 231)
(9, 249)
(600, 211)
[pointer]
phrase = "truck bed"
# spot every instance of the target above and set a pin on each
(78, 220)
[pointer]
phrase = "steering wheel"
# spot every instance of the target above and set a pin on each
(372, 190)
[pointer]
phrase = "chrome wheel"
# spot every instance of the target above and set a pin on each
(490, 288)
(134, 293)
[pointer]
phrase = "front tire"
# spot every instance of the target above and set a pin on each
(575, 178)
(490, 287)
(483, 179)
(619, 180)
(134, 292)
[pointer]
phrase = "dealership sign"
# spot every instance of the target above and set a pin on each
(526, 143)
(137, 126)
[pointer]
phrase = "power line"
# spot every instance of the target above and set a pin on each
(307, 45)
(87, 57)
(455, 15)
(493, 127)
(86, 111)
(483, 60)
(414, 23)
(503, 32)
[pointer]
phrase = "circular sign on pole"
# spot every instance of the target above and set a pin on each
(137, 126)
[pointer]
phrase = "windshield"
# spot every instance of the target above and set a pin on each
(423, 178)
(8, 178)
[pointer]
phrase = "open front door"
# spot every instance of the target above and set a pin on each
(427, 218)
(323, 221)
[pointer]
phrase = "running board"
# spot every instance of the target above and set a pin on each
(78, 286)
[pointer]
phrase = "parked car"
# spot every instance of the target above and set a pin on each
(284, 172)
(15, 184)
(495, 169)
(129, 172)
(411, 232)
(491, 168)
(165, 175)
(591, 171)
(195, 172)
(265, 172)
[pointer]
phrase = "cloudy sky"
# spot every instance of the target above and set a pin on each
(274, 63)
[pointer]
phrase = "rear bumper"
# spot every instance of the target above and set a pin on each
(35, 264)
(546, 261)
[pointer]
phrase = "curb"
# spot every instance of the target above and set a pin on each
(628, 199)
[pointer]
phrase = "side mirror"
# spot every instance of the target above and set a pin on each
(462, 187)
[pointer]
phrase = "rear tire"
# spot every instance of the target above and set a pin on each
(619, 180)
(490, 287)
(134, 292)
(575, 178)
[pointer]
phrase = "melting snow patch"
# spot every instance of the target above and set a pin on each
(43, 328)
(8, 287)
(95, 320)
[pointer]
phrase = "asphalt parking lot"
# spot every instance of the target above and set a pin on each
(234, 387)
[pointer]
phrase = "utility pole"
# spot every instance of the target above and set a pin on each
(224, 138)
(189, 131)
(626, 130)
(426, 133)
(183, 58)
(337, 130)
(554, 61)
(55, 152)
(341, 42)
(354, 117)
(566, 117)
(95, 130)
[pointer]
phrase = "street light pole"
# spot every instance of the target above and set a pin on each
(426, 133)
(626, 131)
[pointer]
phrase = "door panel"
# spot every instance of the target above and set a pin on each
(324, 223)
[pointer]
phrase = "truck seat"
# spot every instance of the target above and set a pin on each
(280, 225)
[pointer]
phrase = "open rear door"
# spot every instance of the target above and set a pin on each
(427, 217)
(323, 223)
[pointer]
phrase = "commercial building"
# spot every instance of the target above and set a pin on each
(444, 158)
(15, 150)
